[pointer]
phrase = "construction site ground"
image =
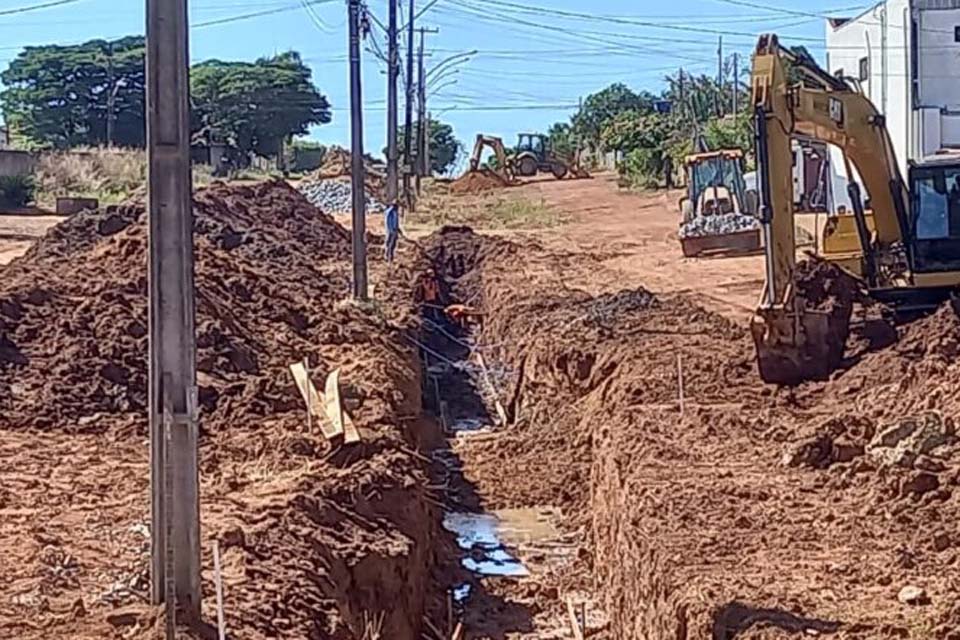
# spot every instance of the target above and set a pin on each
(600, 445)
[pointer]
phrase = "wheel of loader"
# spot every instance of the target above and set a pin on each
(527, 166)
(559, 170)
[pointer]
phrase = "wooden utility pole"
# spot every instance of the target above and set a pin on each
(393, 60)
(175, 504)
(408, 124)
(356, 160)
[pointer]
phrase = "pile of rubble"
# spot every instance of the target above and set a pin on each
(335, 196)
(718, 225)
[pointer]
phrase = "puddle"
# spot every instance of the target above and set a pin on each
(469, 424)
(461, 593)
(478, 534)
(510, 542)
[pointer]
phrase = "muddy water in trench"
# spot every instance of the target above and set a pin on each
(494, 546)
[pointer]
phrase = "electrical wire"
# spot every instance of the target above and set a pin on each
(544, 11)
(36, 7)
(257, 14)
(790, 12)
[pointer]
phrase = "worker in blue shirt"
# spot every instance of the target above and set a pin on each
(392, 224)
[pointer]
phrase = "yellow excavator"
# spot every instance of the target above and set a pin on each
(909, 257)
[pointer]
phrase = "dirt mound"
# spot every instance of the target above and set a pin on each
(477, 182)
(316, 541)
(74, 307)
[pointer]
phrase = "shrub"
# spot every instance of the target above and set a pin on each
(16, 191)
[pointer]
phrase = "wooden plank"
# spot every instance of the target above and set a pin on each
(574, 623)
(218, 583)
(493, 390)
(334, 408)
(314, 400)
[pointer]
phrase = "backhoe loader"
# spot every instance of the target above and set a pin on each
(909, 257)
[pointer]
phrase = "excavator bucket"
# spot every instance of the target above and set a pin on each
(803, 337)
(796, 347)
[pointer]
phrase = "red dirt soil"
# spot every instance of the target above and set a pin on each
(316, 541)
(757, 513)
(477, 182)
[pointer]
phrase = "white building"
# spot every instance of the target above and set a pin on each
(906, 56)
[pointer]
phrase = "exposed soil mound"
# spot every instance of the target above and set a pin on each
(317, 541)
(74, 307)
(477, 182)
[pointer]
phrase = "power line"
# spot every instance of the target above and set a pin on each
(36, 7)
(255, 14)
(543, 11)
(789, 12)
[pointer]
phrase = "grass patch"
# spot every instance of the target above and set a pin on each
(495, 210)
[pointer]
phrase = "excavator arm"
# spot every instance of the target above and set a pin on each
(496, 145)
(792, 96)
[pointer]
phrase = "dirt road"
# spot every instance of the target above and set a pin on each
(635, 236)
(18, 231)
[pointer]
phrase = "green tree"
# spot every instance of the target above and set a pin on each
(256, 105)
(563, 141)
(58, 96)
(604, 105)
(444, 150)
(633, 129)
(730, 132)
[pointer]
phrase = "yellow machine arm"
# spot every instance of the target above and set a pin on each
(496, 145)
(792, 96)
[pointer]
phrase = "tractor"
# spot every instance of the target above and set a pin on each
(533, 155)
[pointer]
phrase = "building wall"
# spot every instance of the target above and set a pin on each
(16, 163)
(919, 124)
(881, 36)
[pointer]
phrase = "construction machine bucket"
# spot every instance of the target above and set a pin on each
(799, 345)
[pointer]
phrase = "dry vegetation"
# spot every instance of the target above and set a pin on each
(111, 175)
(500, 209)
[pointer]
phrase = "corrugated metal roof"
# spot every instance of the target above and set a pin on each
(936, 4)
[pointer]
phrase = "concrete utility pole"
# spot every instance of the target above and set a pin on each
(393, 60)
(408, 124)
(421, 112)
(736, 83)
(356, 160)
(175, 504)
(720, 105)
(111, 94)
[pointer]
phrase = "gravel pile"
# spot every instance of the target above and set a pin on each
(334, 196)
(718, 225)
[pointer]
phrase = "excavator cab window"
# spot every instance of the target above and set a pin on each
(936, 206)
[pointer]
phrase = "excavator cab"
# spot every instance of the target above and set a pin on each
(935, 203)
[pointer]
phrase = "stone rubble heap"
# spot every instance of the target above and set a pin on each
(718, 225)
(334, 196)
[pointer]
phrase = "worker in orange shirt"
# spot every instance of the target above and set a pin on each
(462, 315)
(428, 293)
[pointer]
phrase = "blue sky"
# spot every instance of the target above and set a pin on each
(533, 62)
